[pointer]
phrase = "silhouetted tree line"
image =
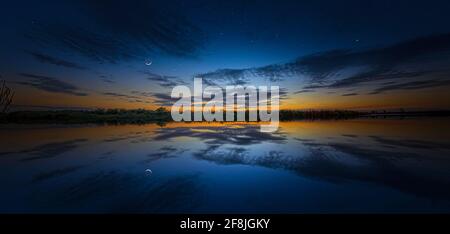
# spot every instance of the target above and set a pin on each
(286, 115)
(99, 116)
(141, 116)
(318, 114)
(162, 115)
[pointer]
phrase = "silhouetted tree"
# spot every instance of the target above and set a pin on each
(6, 97)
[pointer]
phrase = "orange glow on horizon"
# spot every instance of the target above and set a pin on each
(432, 99)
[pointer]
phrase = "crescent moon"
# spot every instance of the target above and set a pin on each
(148, 62)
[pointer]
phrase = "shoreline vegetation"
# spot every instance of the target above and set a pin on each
(162, 115)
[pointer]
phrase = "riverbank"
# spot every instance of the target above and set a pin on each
(161, 115)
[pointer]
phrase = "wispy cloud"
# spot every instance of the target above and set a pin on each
(159, 99)
(134, 97)
(108, 81)
(412, 85)
(121, 95)
(349, 94)
(304, 91)
(162, 99)
(51, 84)
(272, 73)
(325, 70)
(44, 58)
(227, 76)
(164, 80)
(143, 27)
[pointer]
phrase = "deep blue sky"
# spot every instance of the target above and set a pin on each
(82, 53)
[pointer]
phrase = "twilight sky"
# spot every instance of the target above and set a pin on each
(323, 54)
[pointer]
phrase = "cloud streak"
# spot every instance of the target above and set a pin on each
(413, 85)
(162, 99)
(163, 80)
(51, 84)
(134, 97)
(43, 58)
(325, 70)
(143, 27)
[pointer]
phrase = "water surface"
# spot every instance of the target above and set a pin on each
(364, 165)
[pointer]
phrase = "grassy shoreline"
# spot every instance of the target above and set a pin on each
(141, 116)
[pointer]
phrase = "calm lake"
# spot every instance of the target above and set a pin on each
(362, 165)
